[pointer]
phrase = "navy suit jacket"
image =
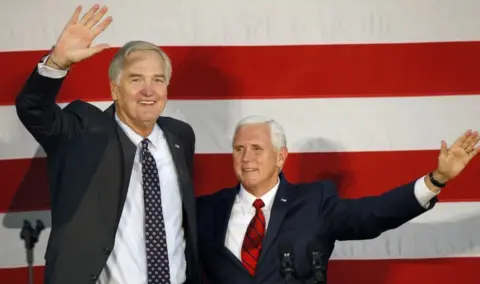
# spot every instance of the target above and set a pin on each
(311, 212)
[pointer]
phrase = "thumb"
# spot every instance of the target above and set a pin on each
(443, 148)
(88, 52)
(97, 48)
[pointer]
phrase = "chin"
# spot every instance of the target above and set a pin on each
(250, 182)
(149, 117)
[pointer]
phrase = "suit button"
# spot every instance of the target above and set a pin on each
(106, 250)
(93, 277)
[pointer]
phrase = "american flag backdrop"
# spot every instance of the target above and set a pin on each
(365, 89)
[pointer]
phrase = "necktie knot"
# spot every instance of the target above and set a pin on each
(258, 203)
(145, 144)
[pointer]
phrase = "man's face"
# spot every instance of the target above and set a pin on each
(255, 161)
(141, 93)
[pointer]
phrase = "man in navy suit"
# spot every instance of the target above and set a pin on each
(244, 230)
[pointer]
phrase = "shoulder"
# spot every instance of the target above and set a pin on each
(178, 127)
(208, 201)
(318, 189)
(171, 123)
(83, 108)
(90, 116)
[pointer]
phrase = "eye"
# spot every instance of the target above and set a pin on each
(237, 149)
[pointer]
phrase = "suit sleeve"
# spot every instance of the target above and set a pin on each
(368, 217)
(37, 110)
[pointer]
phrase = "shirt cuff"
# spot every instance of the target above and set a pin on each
(422, 193)
(50, 72)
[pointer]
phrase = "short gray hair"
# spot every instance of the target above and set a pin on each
(118, 61)
(278, 137)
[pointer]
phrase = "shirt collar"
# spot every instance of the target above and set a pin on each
(247, 198)
(154, 137)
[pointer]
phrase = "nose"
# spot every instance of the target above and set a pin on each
(247, 155)
(148, 89)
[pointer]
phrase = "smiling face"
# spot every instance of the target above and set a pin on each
(255, 160)
(140, 94)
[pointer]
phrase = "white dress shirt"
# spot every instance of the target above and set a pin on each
(243, 212)
(127, 262)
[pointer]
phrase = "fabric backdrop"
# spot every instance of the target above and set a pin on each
(365, 90)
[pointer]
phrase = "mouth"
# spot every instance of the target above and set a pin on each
(147, 102)
(249, 170)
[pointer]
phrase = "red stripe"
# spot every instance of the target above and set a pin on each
(281, 71)
(357, 174)
(431, 271)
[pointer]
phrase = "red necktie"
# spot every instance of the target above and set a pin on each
(252, 243)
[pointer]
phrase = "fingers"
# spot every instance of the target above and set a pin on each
(470, 143)
(460, 140)
(96, 17)
(468, 136)
(92, 17)
(74, 19)
(88, 15)
(102, 26)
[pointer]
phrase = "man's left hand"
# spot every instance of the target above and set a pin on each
(452, 160)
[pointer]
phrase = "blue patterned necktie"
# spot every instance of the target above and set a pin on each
(158, 271)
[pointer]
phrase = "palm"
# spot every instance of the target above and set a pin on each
(453, 160)
(74, 38)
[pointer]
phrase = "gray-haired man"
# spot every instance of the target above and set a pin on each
(110, 220)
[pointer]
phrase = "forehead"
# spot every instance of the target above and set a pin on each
(253, 134)
(139, 60)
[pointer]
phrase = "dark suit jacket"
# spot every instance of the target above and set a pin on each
(311, 212)
(89, 162)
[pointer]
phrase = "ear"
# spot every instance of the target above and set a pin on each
(282, 157)
(114, 90)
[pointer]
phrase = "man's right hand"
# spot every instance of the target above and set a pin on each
(74, 43)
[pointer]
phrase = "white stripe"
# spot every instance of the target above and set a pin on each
(327, 125)
(448, 230)
(249, 22)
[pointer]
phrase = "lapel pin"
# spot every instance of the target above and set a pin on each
(176, 145)
(283, 200)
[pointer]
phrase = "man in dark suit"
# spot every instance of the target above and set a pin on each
(111, 223)
(245, 229)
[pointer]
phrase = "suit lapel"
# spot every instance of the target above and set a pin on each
(178, 160)
(185, 184)
(223, 210)
(277, 215)
(119, 157)
(128, 150)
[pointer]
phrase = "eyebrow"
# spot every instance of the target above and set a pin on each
(241, 145)
(140, 75)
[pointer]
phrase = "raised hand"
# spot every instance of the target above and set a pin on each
(451, 161)
(74, 43)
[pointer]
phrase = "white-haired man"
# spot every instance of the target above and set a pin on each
(246, 227)
(111, 223)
